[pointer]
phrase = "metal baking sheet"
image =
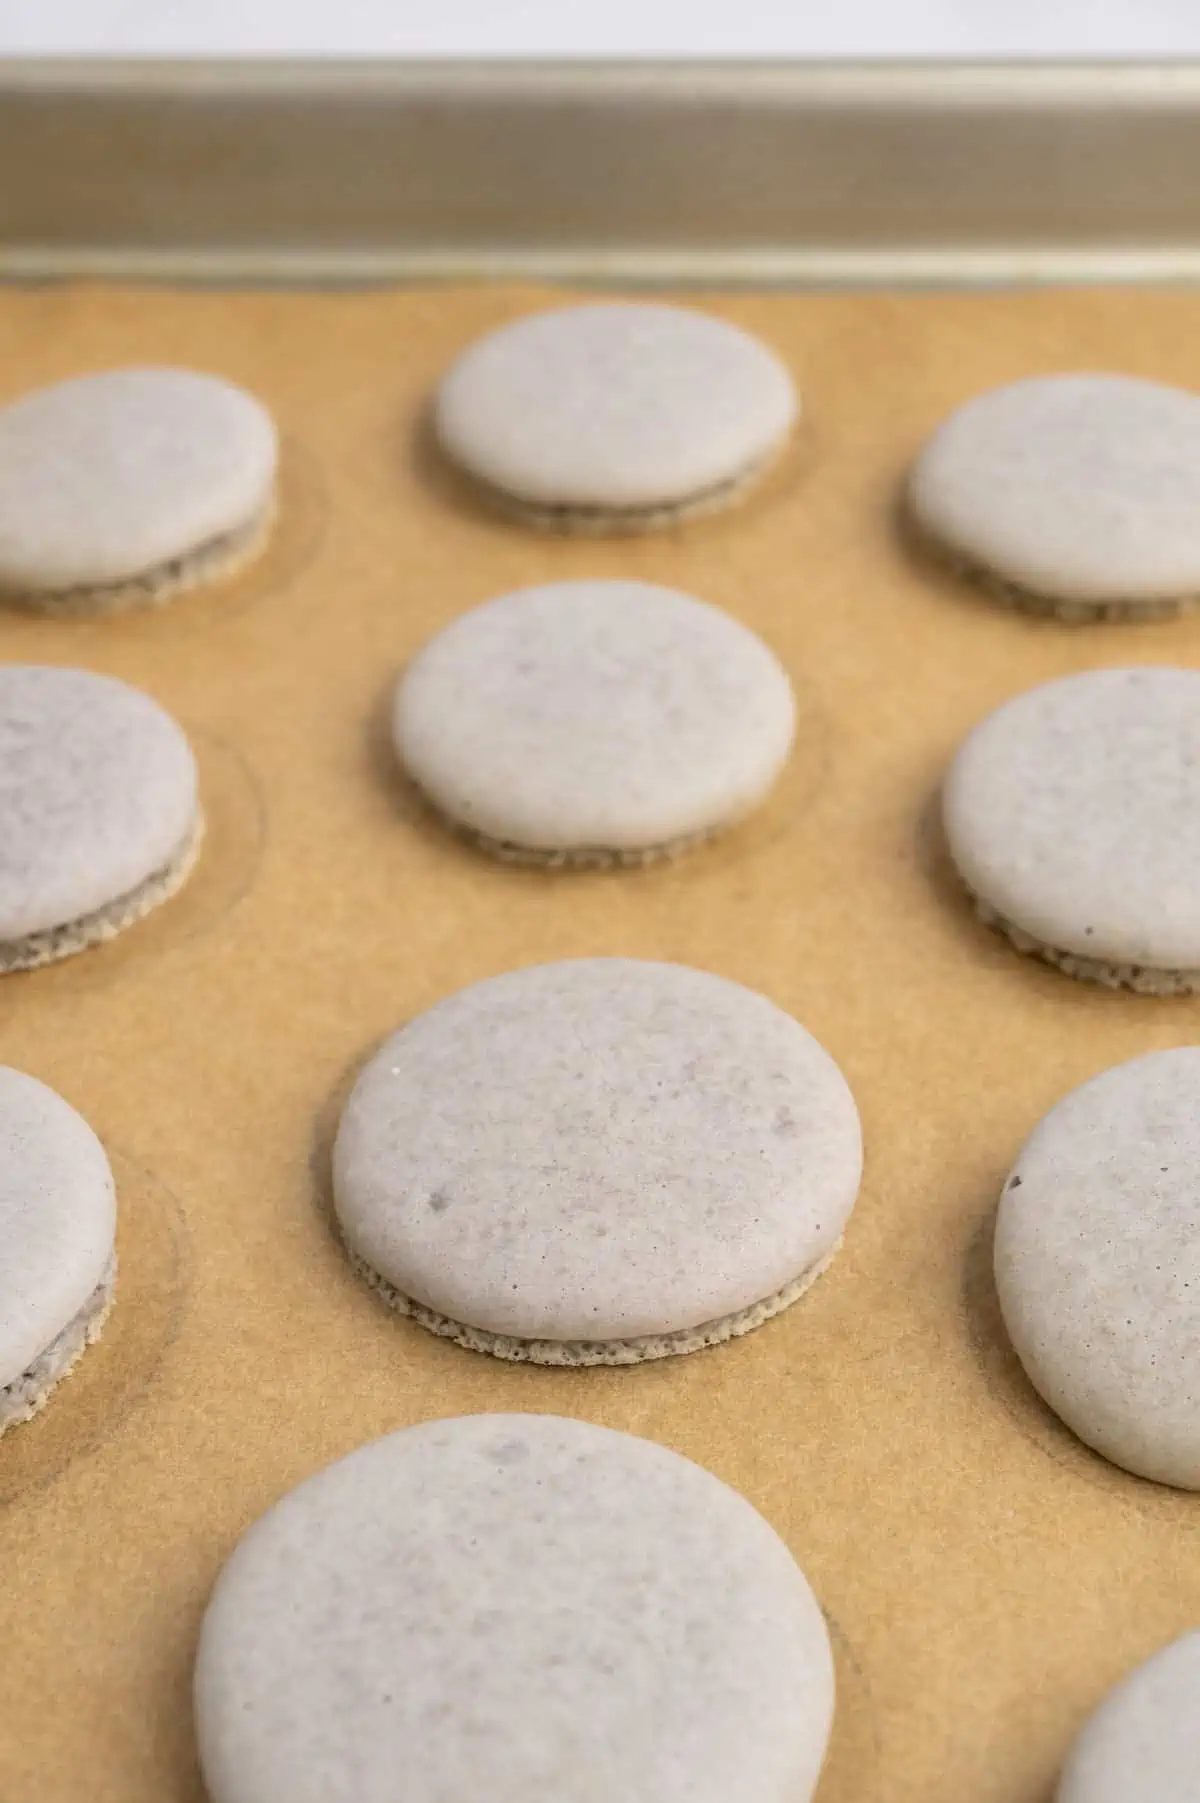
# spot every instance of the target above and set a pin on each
(986, 1578)
(753, 173)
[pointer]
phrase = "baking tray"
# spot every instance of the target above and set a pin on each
(727, 173)
(985, 1577)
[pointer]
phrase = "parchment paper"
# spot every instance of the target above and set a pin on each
(986, 1577)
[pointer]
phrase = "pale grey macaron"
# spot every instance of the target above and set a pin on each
(100, 817)
(597, 1162)
(1073, 816)
(615, 417)
(519, 1608)
(1076, 495)
(594, 722)
(1098, 1264)
(125, 487)
(1143, 1743)
(58, 1262)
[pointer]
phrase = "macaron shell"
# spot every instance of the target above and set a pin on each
(106, 476)
(1073, 811)
(583, 715)
(1097, 1263)
(98, 792)
(1143, 1743)
(597, 1150)
(1085, 487)
(57, 1218)
(620, 406)
(515, 1607)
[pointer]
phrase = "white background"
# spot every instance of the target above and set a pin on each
(891, 28)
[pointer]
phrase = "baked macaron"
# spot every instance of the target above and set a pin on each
(597, 1162)
(615, 417)
(518, 1608)
(1073, 816)
(1097, 1264)
(594, 722)
(58, 1216)
(100, 816)
(1073, 495)
(1143, 1743)
(124, 488)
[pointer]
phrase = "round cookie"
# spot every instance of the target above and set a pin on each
(597, 1162)
(121, 489)
(1143, 1743)
(58, 1260)
(99, 814)
(615, 417)
(1073, 495)
(514, 1607)
(1097, 1264)
(1073, 816)
(586, 722)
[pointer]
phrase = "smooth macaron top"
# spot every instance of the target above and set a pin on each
(58, 1217)
(1097, 1261)
(583, 715)
(1077, 487)
(98, 792)
(1143, 1743)
(1074, 812)
(597, 1150)
(514, 1607)
(614, 406)
(106, 477)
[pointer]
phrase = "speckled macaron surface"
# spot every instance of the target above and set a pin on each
(99, 810)
(1098, 1263)
(1073, 816)
(618, 416)
(130, 484)
(57, 1241)
(514, 1607)
(597, 1161)
(1143, 1743)
(1077, 494)
(586, 720)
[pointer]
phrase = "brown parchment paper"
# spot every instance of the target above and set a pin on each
(986, 1578)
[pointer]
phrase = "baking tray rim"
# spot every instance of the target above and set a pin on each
(735, 173)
